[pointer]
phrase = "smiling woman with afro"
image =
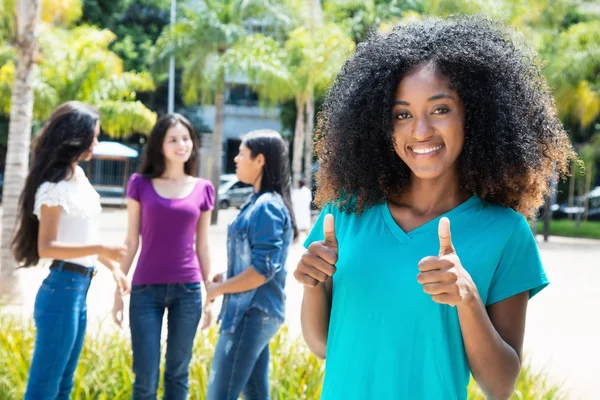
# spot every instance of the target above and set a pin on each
(438, 122)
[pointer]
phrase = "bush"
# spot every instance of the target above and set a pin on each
(564, 227)
(104, 370)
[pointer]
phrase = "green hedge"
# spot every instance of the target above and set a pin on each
(104, 371)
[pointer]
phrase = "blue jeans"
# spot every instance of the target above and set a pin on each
(60, 315)
(241, 360)
(146, 309)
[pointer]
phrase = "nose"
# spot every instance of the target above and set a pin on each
(422, 128)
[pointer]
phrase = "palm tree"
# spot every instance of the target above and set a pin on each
(71, 64)
(315, 22)
(306, 63)
(573, 72)
(28, 13)
(200, 42)
(76, 64)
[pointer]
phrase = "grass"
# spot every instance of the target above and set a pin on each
(104, 371)
(564, 227)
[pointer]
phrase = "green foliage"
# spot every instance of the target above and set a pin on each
(7, 21)
(104, 369)
(103, 12)
(564, 227)
(359, 17)
(202, 41)
(530, 385)
(307, 62)
(574, 72)
(137, 30)
(76, 64)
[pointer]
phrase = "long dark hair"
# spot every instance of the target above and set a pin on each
(276, 171)
(68, 133)
(153, 165)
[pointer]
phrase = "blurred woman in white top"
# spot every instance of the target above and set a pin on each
(301, 200)
(58, 213)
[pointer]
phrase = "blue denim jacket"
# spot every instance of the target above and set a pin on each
(259, 237)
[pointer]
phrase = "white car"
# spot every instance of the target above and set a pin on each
(232, 192)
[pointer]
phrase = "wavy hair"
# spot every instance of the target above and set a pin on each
(514, 141)
(68, 133)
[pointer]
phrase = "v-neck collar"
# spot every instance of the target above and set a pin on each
(404, 237)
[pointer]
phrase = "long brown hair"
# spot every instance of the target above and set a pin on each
(68, 133)
(153, 164)
(276, 175)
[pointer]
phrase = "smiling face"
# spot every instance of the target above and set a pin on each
(177, 145)
(428, 123)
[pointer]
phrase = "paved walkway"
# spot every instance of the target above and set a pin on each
(563, 327)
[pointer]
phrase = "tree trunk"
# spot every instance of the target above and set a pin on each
(217, 152)
(298, 141)
(28, 14)
(572, 187)
(588, 184)
(308, 149)
(550, 200)
(579, 204)
(316, 22)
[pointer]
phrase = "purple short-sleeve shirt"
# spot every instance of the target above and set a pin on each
(168, 230)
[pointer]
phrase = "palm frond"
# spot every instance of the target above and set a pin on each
(45, 99)
(262, 60)
(200, 79)
(122, 118)
(122, 86)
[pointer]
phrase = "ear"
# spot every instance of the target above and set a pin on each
(260, 159)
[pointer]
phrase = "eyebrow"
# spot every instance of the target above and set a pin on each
(435, 97)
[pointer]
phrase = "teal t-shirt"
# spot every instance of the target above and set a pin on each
(387, 338)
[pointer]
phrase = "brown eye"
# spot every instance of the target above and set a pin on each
(402, 115)
(441, 110)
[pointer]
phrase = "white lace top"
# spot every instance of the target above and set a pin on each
(80, 211)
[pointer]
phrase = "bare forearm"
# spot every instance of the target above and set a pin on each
(205, 266)
(65, 251)
(314, 318)
(127, 261)
(111, 265)
(249, 279)
(494, 363)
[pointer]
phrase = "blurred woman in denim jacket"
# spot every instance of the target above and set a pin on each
(257, 246)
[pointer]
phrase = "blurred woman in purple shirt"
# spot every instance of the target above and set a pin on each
(170, 209)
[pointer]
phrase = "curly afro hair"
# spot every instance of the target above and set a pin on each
(514, 141)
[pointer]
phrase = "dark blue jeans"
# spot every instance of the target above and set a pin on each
(60, 314)
(183, 302)
(241, 360)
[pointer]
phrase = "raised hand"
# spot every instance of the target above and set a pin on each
(317, 264)
(443, 277)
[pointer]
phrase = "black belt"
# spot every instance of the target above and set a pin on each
(61, 265)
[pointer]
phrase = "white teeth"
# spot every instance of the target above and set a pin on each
(427, 151)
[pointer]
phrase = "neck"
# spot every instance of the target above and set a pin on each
(173, 171)
(432, 196)
(71, 174)
(257, 184)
